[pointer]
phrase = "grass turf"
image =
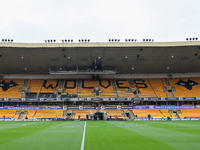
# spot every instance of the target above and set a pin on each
(100, 135)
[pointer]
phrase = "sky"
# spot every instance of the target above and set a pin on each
(33, 21)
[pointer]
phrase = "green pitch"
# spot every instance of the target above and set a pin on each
(100, 135)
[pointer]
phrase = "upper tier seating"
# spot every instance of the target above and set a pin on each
(152, 87)
(71, 86)
(87, 86)
(10, 88)
(186, 87)
(50, 86)
(144, 87)
(122, 86)
(157, 85)
(36, 85)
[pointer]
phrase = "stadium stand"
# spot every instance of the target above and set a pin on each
(186, 87)
(36, 85)
(8, 114)
(145, 112)
(49, 86)
(115, 114)
(122, 86)
(144, 87)
(189, 113)
(165, 112)
(30, 114)
(71, 86)
(10, 88)
(81, 115)
(151, 87)
(48, 113)
(105, 85)
(157, 85)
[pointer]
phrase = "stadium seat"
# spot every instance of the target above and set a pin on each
(48, 113)
(12, 90)
(8, 114)
(186, 87)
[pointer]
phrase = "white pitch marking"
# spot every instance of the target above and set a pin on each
(83, 139)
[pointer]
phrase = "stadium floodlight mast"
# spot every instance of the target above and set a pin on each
(84, 40)
(67, 40)
(192, 39)
(148, 40)
(130, 40)
(7, 40)
(114, 40)
(50, 41)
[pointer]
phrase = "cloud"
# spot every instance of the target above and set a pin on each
(35, 21)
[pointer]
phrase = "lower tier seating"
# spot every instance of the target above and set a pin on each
(81, 115)
(189, 113)
(145, 112)
(48, 113)
(8, 114)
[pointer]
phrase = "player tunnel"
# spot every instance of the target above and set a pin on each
(98, 116)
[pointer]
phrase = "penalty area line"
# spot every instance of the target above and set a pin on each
(83, 139)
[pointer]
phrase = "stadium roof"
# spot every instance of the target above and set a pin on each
(124, 57)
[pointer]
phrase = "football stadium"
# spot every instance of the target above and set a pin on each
(100, 95)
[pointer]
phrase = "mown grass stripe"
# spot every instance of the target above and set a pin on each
(54, 135)
(165, 135)
(110, 136)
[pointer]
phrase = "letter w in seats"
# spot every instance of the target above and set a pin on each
(50, 85)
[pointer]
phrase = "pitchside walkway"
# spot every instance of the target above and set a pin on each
(109, 113)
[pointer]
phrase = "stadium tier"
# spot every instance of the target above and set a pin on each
(151, 87)
(100, 81)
